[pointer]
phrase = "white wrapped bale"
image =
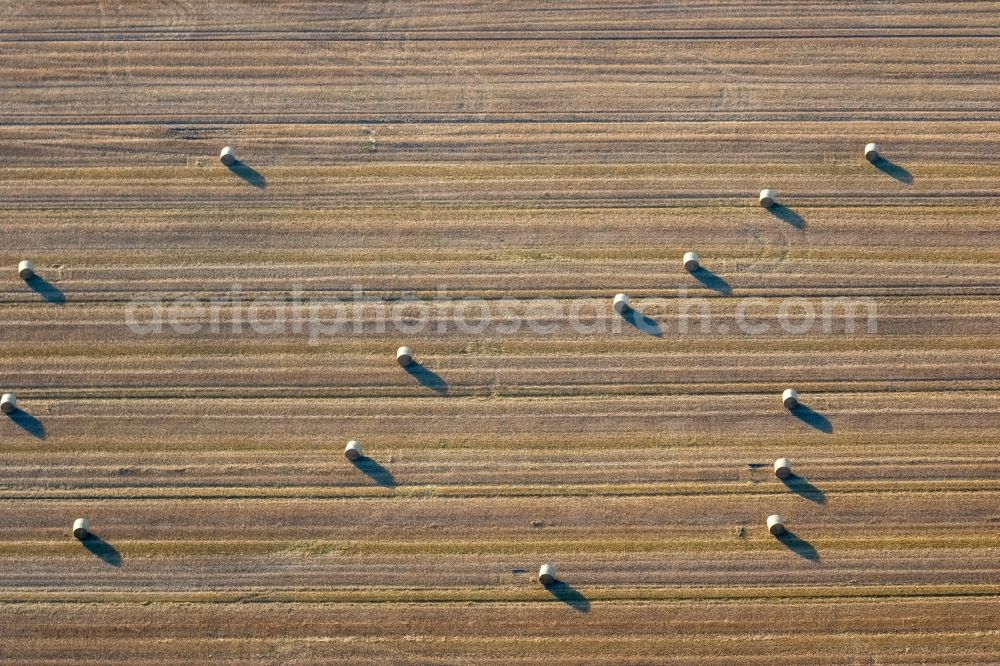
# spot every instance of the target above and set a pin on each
(228, 156)
(768, 198)
(404, 356)
(354, 450)
(81, 528)
(621, 303)
(547, 574)
(26, 270)
(872, 152)
(783, 468)
(790, 398)
(775, 525)
(8, 403)
(692, 262)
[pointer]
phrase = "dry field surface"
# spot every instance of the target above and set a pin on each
(540, 149)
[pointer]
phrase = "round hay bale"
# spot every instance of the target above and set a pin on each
(776, 525)
(81, 528)
(26, 270)
(621, 303)
(354, 451)
(692, 261)
(790, 398)
(8, 403)
(547, 574)
(228, 156)
(871, 152)
(404, 356)
(783, 468)
(768, 198)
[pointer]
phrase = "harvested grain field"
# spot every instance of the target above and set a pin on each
(200, 342)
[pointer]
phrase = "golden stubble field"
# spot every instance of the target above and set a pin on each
(539, 150)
